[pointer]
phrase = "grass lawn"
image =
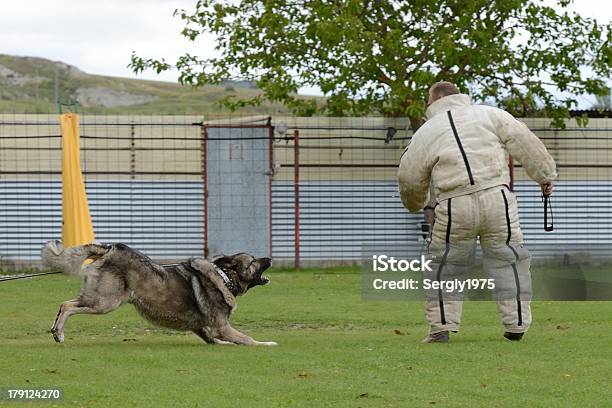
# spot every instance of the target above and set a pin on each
(334, 350)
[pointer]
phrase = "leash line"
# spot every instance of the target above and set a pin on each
(27, 276)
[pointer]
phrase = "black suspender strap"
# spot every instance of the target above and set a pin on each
(465, 160)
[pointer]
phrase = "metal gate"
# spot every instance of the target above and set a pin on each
(237, 173)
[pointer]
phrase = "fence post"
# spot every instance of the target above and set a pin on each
(132, 151)
(204, 136)
(296, 193)
(132, 176)
(271, 169)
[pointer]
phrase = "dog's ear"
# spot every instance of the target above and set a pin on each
(225, 262)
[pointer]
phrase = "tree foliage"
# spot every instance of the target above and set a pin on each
(382, 56)
(603, 101)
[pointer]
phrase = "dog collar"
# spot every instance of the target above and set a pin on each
(230, 284)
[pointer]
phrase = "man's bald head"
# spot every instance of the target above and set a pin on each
(440, 90)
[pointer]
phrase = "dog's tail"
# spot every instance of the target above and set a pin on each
(70, 260)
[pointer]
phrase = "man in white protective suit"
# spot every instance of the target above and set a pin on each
(462, 151)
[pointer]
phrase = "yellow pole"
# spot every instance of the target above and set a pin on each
(77, 228)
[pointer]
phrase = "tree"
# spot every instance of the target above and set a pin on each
(603, 101)
(382, 55)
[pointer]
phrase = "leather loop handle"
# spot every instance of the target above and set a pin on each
(547, 206)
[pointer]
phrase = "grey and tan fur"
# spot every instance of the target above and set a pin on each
(198, 295)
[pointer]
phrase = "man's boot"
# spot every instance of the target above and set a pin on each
(513, 336)
(440, 337)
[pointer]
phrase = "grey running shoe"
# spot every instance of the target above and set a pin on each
(440, 337)
(513, 336)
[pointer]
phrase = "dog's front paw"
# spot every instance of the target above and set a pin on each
(266, 343)
(218, 341)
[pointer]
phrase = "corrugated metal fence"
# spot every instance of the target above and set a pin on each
(148, 184)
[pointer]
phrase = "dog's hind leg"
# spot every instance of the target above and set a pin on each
(57, 328)
(229, 334)
(72, 307)
(66, 310)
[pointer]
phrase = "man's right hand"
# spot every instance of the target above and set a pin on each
(547, 188)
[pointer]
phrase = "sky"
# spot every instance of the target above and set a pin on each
(98, 36)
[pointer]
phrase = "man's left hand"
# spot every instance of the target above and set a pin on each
(547, 188)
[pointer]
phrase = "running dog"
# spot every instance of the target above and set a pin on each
(197, 295)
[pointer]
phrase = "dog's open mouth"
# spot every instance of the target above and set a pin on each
(258, 279)
(265, 264)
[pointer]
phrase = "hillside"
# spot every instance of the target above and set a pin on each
(30, 85)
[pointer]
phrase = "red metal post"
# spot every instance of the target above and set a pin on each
(204, 134)
(296, 192)
(271, 168)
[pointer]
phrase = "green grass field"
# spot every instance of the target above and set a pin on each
(334, 350)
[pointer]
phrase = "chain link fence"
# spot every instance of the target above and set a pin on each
(311, 190)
